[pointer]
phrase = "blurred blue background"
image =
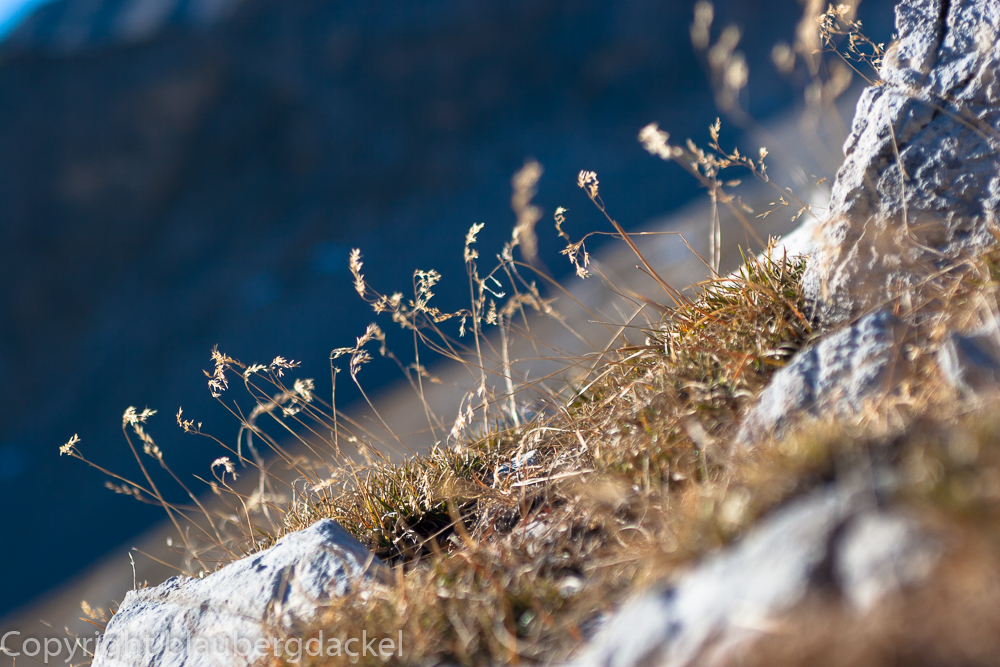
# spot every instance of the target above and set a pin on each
(12, 12)
(176, 174)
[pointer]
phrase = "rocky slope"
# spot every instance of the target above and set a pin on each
(913, 215)
(865, 568)
(179, 174)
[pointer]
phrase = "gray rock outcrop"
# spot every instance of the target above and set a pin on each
(920, 186)
(834, 376)
(222, 618)
(971, 361)
(834, 541)
(913, 207)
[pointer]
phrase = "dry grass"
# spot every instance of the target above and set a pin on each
(511, 540)
(636, 474)
(625, 478)
(512, 543)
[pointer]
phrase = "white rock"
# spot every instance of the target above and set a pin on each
(833, 540)
(971, 361)
(918, 194)
(920, 186)
(834, 376)
(219, 620)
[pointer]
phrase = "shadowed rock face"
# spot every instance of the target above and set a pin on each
(64, 28)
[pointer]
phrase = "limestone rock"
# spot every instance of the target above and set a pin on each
(835, 375)
(971, 361)
(220, 619)
(920, 186)
(916, 198)
(834, 539)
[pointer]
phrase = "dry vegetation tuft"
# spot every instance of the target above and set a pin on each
(513, 545)
(513, 537)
